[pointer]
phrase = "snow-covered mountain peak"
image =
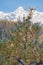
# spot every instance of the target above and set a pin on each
(20, 8)
(19, 13)
(37, 17)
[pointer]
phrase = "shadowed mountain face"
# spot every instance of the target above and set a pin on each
(5, 29)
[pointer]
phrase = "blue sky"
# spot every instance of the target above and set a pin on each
(11, 5)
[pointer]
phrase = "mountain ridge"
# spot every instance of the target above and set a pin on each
(19, 13)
